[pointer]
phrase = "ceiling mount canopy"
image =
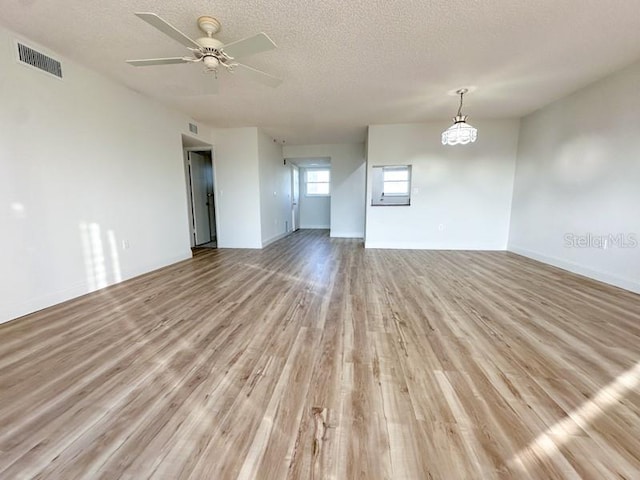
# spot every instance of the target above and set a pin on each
(460, 133)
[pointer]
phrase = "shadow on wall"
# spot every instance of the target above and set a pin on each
(95, 256)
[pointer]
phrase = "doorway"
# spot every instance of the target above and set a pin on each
(201, 181)
(310, 192)
(295, 198)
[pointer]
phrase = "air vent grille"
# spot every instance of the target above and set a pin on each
(193, 128)
(32, 57)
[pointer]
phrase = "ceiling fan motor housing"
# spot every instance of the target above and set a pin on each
(210, 44)
(212, 54)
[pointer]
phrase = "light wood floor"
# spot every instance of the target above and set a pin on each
(317, 359)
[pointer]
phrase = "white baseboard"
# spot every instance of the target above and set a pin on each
(266, 243)
(334, 234)
(429, 246)
(16, 310)
(617, 281)
(315, 227)
(49, 299)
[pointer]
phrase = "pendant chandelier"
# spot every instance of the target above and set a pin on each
(460, 133)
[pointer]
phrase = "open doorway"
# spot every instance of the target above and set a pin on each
(203, 219)
(310, 192)
(201, 195)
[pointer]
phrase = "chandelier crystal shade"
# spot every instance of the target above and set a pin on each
(460, 133)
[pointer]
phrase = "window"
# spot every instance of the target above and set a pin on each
(391, 185)
(395, 180)
(318, 182)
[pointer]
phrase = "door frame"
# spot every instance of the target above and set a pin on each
(187, 173)
(295, 217)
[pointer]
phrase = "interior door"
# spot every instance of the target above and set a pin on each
(211, 206)
(295, 197)
(200, 174)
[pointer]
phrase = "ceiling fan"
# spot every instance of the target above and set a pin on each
(212, 53)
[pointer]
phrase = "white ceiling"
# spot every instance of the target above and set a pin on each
(350, 63)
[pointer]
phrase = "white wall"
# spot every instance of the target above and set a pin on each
(461, 195)
(275, 190)
(85, 164)
(348, 170)
(315, 212)
(578, 172)
(237, 181)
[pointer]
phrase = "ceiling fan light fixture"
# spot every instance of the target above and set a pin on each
(210, 62)
(460, 133)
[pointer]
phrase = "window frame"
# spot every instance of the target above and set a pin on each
(396, 168)
(307, 182)
(381, 199)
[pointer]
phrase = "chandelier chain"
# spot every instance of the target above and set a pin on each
(460, 107)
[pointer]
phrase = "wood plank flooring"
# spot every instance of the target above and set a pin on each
(317, 359)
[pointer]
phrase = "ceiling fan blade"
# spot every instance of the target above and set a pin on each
(156, 61)
(257, 75)
(248, 46)
(168, 29)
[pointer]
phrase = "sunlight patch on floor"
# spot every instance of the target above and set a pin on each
(549, 442)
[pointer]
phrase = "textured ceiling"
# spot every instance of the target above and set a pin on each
(350, 63)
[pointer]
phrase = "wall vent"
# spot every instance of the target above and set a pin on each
(193, 128)
(33, 58)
